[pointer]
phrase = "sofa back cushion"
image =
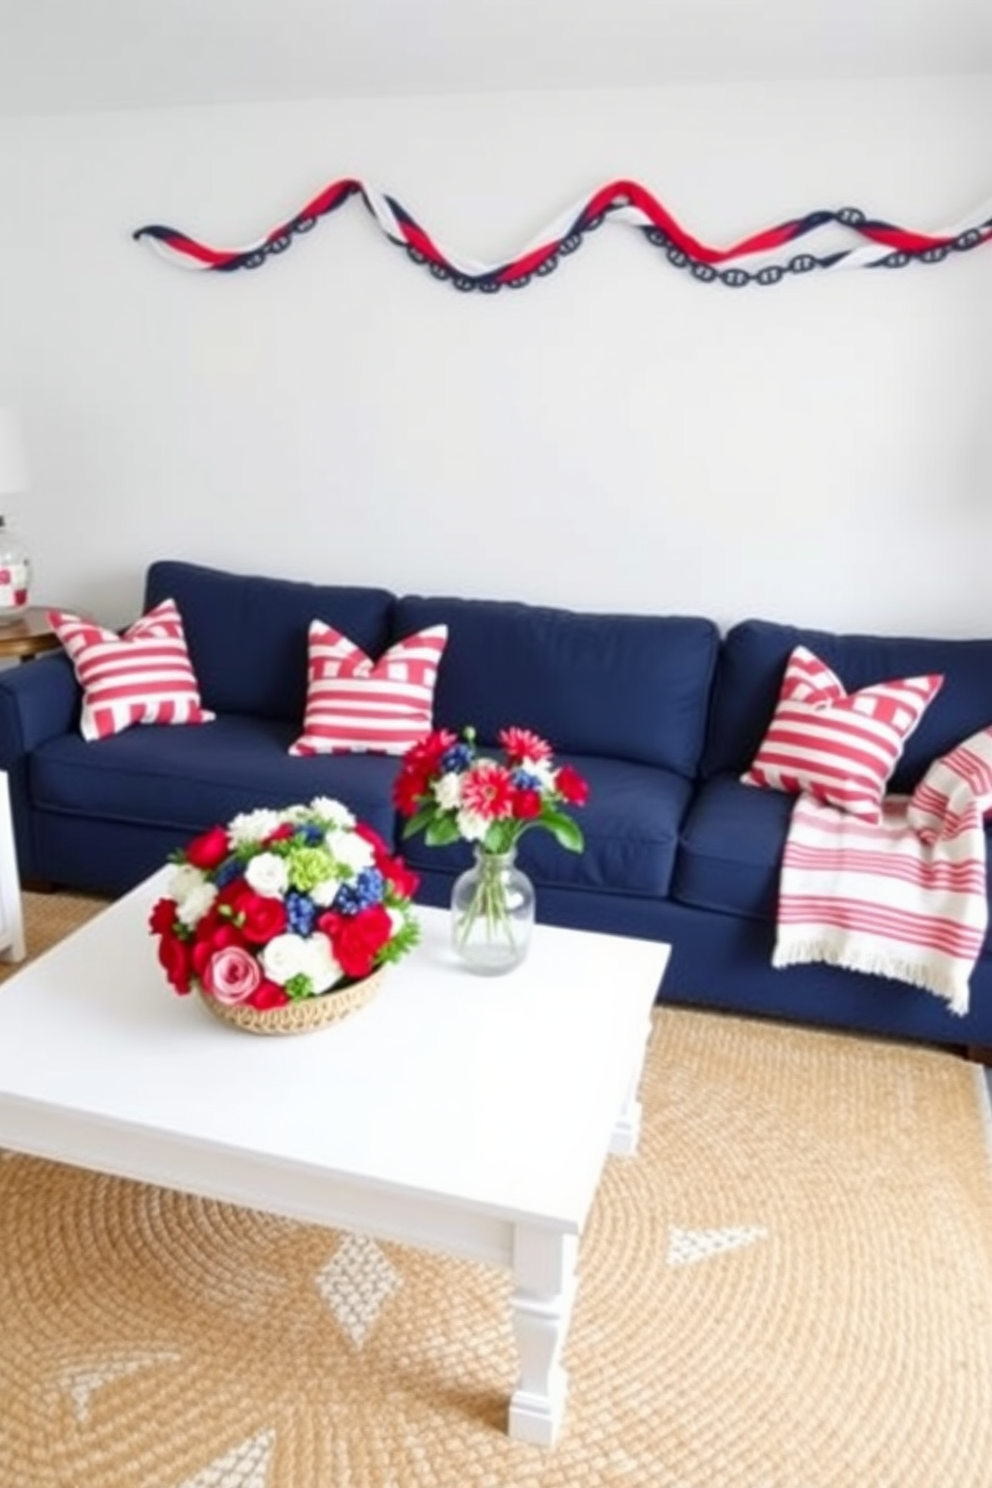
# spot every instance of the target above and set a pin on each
(752, 662)
(631, 687)
(247, 635)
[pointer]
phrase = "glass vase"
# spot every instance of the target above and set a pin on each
(492, 914)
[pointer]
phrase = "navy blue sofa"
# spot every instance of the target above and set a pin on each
(660, 713)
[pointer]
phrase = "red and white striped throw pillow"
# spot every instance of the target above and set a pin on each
(355, 705)
(141, 676)
(837, 746)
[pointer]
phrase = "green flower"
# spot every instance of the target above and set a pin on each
(309, 866)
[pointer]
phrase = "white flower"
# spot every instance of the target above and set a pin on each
(194, 904)
(283, 957)
(319, 963)
(287, 956)
(325, 892)
(185, 879)
(448, 790)
(253, 826)
(332, 811)
(193, 893)
(350, 850)
(472, 826)
(268, 875)
(397, 919)
(542, 770)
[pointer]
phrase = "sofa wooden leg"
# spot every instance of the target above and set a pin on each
(979, 1053)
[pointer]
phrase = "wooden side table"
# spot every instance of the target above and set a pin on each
(27, 636)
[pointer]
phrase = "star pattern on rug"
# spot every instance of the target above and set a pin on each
(685, 1247)
(81, 1381)
(355, 1284)
(244, 1466)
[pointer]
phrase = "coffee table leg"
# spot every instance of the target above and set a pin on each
(544, 1272)
(623, 1140)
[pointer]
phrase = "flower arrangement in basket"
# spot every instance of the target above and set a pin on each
(269, 915)
(451, 792)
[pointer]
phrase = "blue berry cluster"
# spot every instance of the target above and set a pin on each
(300, 912)
(458, 757)
(524, 780)
(229, 870)
(368, 889)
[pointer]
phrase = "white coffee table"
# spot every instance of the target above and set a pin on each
(467, 1114)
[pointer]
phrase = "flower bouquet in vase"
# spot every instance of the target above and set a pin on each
(284, 919)
(453, 793)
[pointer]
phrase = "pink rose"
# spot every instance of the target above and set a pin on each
(231, 975)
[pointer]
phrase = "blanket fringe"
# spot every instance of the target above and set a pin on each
(874, 962)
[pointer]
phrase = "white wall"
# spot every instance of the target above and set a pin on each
(615, 436)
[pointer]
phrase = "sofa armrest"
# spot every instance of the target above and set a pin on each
(39, 700)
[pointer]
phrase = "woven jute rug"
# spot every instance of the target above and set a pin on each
(790, 1286)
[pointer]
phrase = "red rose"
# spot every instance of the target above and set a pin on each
(371, 836)
(280, 833)
(209, 850)
(420, 763)
(407, 791)
(224, 906)
(176, 961)
(402, 879)
(526, 804)
(268, 995)
(426, 754)
(162, 919)
(571, 786)
(261, 918)
(355, 939)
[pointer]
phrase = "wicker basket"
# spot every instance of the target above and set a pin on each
(302, 1016)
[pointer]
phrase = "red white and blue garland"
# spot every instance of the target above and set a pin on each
(765, 257)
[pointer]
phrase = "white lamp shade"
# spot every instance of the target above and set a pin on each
(13, 465)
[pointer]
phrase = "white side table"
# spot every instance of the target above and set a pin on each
(11, 907)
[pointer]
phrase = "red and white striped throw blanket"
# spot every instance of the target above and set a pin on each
(905, 898)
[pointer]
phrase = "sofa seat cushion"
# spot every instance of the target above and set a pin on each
(731, 850)
(730, 856)
(626, 687)
(192, 778)
(630, 824)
